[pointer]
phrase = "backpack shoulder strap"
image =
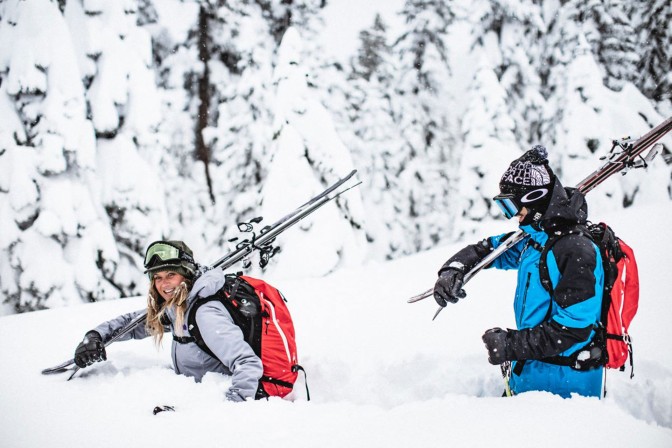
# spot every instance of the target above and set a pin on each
(237, 296)
(193, 327)
(544, 275)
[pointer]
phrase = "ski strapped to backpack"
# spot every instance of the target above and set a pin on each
(611, 346)
(261, 312)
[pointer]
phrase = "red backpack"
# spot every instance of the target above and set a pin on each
(261, 312)
(624, 294)
(620, 298)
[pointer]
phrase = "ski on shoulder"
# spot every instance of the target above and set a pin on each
(262, 243)
(625, 154)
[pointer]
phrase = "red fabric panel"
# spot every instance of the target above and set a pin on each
(624, 303)
(278, 341)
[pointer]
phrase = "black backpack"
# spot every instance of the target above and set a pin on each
(611, 345)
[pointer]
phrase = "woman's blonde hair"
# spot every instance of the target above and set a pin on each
(157, 307)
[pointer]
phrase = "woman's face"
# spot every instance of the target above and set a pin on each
(166, 283)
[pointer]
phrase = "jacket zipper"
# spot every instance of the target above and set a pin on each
(527, 286)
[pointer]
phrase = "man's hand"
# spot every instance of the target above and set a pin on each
(448, 287)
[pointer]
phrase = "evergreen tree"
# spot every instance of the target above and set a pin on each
(306, 145)
(373, 48)
(578, 124)
(220, 78)
(421, 109)
(488, 132)
(56, 247)
(282, 14)
(115, 58)
(509, 33)
(655, 48)
(612, 38)
(372, 137)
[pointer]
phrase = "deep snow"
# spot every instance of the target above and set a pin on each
(380, 372)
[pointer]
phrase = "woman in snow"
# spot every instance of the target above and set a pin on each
(554, 330)
(172, 292)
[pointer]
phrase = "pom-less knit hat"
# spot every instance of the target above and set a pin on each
(530, 180)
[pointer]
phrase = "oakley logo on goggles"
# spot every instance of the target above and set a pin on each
(164, 252)
(508, 204)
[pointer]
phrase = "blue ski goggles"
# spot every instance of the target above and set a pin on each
(508, 204)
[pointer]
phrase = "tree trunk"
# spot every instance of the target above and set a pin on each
(202, 152)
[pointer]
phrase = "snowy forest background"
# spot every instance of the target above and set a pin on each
(127, 121)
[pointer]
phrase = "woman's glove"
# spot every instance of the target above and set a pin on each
(90, 350)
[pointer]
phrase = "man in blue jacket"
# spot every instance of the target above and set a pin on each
(551, 349)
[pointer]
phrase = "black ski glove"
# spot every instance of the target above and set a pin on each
(495, 340)
(90, 350)
(448, 288)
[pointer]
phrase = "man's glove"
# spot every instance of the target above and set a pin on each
(90, 350)
(495, 340)
(448, 288)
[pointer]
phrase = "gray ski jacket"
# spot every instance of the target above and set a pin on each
(223, 337)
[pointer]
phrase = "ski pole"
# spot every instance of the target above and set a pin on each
(506, 374)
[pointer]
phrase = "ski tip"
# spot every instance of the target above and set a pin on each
(421, 296)
(60, 368)
(52, 371)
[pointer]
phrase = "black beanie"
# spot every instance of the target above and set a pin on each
(530, 180)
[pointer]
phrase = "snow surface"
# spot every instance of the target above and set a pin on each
(380, 372)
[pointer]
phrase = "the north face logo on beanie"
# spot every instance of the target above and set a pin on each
(530, 170)
(530, 178)
(526, 174)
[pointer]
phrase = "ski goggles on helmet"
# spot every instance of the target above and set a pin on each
(508, 204)
(162, 253)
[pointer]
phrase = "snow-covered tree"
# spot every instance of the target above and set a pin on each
(217, 84)
(372, 51)
(509, 33)
(579, 124)
(308, 155)
(115, 58)
(56, 247)
(655, 47)
(422, 109)
(372, 137)
(489, 134)
(611, 36)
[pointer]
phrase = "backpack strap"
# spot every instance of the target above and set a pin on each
(238, 297)
(193, 327)
(546, 282)
(241, 301)
(544, 275)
